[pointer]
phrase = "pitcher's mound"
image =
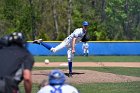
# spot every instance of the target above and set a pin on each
(85, 76)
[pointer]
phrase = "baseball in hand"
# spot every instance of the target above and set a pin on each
(47, 61)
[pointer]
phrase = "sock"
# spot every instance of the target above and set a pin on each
(46, 45)
(70, 67)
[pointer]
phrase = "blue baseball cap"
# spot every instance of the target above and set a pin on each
(56, 77)
(85, 23)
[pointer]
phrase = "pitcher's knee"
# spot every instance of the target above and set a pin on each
(69, 59)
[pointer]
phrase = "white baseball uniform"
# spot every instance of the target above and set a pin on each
(78, 33)
(85, 47)
(58, 89)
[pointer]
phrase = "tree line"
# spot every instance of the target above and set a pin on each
(56, 19)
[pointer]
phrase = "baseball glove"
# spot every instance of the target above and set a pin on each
(85, 38)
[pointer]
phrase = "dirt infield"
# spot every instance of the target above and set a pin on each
(89, 64)
(87, 76)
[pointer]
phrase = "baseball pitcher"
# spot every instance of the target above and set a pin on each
(68, 42)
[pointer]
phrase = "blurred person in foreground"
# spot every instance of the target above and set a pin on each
(57, 84)
(15, 64)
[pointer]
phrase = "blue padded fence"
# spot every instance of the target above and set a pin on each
(95, 48)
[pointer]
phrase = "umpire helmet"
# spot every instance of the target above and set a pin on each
(6, 40)
(14, 38)
(56, 77)
(18, 38)
(85, 23)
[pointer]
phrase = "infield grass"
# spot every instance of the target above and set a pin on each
(128, 87)
(89, 58)
(131, 87)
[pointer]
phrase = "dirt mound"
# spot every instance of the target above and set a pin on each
(85, 76)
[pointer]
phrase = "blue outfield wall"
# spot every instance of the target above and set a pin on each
(95, 48)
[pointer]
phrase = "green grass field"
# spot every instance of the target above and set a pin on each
(90, 58)
(127, 87)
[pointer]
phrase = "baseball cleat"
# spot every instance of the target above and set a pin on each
(70, 75)
(37, 41)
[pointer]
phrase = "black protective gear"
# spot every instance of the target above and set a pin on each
(14, 38)
(18, 38)
(6, 40)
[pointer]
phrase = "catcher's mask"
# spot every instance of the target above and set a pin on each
(56, 77)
